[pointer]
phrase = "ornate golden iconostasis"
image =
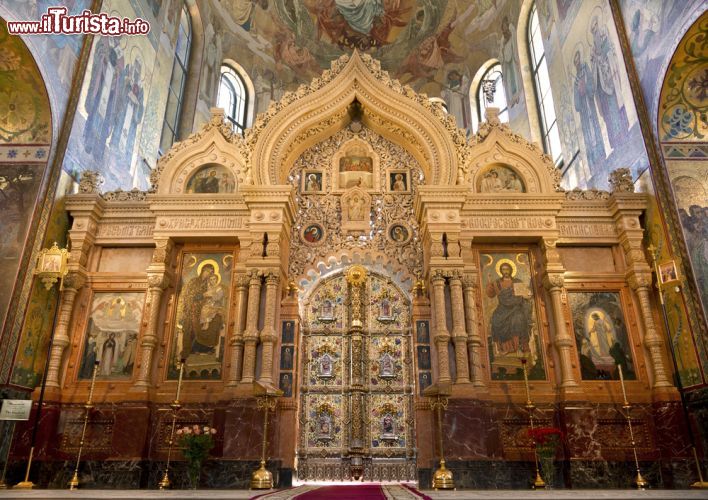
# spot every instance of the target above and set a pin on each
(474, 261)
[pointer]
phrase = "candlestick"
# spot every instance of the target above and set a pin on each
(526, 383)
(442, 478)
(538, 482)
(179, 381)
(74, 482)
(624, 393)
(165, 481)
(262, 479)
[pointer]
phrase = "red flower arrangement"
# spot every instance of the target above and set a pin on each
(546, 435)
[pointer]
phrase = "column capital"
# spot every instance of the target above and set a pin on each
(638, 279)
(553, 281)
(158, 281)
(242, 280)
(437, 275)
(74, 281)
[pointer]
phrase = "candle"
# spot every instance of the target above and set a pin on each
(179, 382)
(93, 383)
(526, 382)
(624, 394)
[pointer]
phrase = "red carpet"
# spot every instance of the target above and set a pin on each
(357, 492)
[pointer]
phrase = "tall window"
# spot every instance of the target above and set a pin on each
(233, 97)
(177, 82)
(544, 96)
(491, 94)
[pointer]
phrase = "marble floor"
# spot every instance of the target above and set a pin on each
(461, 494)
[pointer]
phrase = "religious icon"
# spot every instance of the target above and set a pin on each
(423, 357)
(385, 311)
(356, 170)
(422, 332)
(398, 233)
(286, 384)
(288, 335)
(667, 272)
(388, 428)
(398, 182)
(51, 263)
(326, 366)
(211, 179)
(312, 182)
(387, 366)
(286, 358)
(313, 233)
(601, 335)
(202, 314)
(324, 426)
(424, 381)
(499, 179)
(112, 334)
(509, 313)
(326, 311)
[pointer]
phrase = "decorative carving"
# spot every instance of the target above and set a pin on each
(356, 211)
(120, 195)
(621, 181)
(90, 182)
(589, 194)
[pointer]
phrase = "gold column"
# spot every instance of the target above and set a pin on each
(250, 336)
(441, 334)
(564, 344)
(237, 338)
(73, 282)
(640, 283)
(474, 340)
(356, 276)
(459, 334)
(269, 335)
(562, 340)
(156, 286)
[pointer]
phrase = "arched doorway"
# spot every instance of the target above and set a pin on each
(356, 399)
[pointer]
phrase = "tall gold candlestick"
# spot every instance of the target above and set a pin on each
(639, 481)
(262, 479)
(165, 481)
(538, 482)
(442, 478)
(74, 482)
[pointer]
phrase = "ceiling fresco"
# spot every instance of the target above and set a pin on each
(423, 43)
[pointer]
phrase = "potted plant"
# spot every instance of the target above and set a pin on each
(546, 440)
(195, 442)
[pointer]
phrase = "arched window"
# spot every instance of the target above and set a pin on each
(491, 94)
(542, 86)
(177, 82)
(233, 97)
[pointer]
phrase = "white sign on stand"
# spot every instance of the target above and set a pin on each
(16, 409)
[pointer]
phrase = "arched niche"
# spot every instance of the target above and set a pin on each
(316, 111)
(215, 146)
(356, 161)
(497, 148)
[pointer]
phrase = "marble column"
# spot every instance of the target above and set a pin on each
(269, 334)
(474, 340)
(641, 283)
(156, 286)
(73, 282)
(562, 341)
(441, 335)
(242, 281)
(250, 336)
(459, 333)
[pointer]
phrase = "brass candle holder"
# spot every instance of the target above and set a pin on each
(538, 482)
(74, 482)
(639, 481)
(262, 479)
(442, 478)
(165, 481)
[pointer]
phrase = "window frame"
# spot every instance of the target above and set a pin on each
(544, 97)
(227, 72)
(481, 104)
(183, 66)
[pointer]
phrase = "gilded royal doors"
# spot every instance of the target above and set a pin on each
(356, 413)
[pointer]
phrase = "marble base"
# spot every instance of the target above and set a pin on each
(575, 474)
(118, 474)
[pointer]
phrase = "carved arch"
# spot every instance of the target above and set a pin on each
(212, 145)
(496, 144)
(314, 112)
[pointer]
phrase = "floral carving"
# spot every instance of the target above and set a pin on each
(621, 181)
(90, 182)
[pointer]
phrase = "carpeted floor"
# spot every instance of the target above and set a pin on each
(348, 492)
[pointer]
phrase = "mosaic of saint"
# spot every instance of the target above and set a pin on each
(202, 314)
(212, 179)
(510, 315)
(601, 335)
(112, 335)
(356, 171)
